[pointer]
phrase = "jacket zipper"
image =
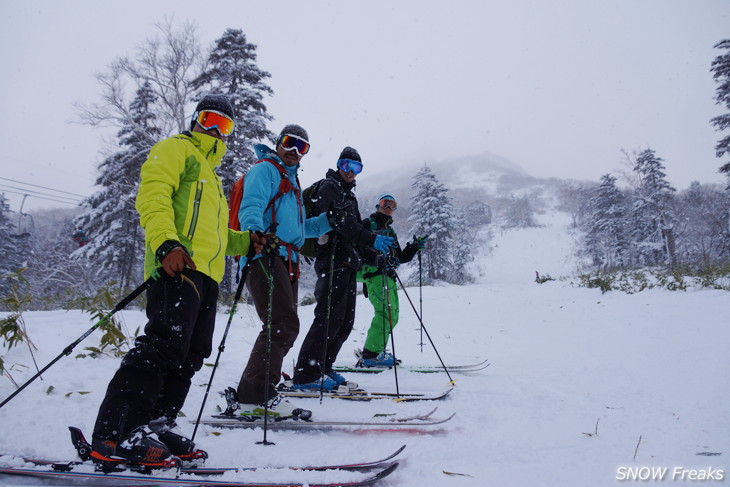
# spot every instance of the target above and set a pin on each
(218, 224)
(196, 208)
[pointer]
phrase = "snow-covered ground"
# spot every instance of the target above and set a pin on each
(582, 385)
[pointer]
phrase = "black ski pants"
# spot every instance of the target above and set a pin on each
(252, 388)
(326, 336)
(154, 377)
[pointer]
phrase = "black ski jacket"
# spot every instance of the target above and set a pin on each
(352, 237)
(382, 224)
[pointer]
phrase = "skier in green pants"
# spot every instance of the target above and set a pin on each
(379, 277)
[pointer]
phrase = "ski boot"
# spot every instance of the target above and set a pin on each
(381, 360)
(341, 381)
(278, 408)
(180, 446)
(139, 450)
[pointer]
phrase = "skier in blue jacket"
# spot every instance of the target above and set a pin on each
(283, 215)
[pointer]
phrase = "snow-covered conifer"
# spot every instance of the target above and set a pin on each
(232, 71)
(606, 240)
(721, 73)
(652, 216)
(433, 214)
(111, 222)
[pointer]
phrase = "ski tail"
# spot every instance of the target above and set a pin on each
(83, 447)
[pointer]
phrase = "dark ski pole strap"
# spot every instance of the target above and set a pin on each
(67, 351)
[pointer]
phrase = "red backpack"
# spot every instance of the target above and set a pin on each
(236, 196)
(285, 186)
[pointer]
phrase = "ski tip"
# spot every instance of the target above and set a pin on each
(394, 454)
(384, 473)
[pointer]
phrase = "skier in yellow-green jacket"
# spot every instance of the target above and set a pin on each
(184, 214)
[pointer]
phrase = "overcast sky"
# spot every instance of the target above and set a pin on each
(559, 88)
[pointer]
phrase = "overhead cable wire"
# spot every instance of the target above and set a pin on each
(32, 192)
(75, 203)
(42, 187)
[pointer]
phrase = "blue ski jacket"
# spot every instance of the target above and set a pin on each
(259, 187)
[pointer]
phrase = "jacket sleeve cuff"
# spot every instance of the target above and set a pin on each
(239, 243)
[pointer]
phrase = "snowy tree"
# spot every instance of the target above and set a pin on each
(519, 213)
(111, 222)
(11, 246)
(168, 63)
(58, 277)
(703, 238)
(433, 214)
(574, 199)
(721, 73)
(460, 248)
(652, 216)
(232, 70)
(606, 240)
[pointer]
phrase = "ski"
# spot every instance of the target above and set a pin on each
(424, 369)
(83, 449)
(223, 421)
(362, 395)
(83, 474)
(364, 466)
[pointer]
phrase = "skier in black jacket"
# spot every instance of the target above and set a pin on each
(337, 261)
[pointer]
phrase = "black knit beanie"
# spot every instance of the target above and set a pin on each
(293, 129)
(218, 103)
(350, 153)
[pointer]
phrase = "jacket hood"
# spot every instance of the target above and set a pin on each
(263, 151)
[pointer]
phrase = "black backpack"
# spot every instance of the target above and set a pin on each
(309, 197)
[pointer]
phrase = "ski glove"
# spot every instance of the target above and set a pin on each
(336, 216)
(383, 243)
(392, 263)
(268, 242)
(173, 257)
(420, 242)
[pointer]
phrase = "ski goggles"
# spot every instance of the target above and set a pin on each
(292, 142)
(348, 165)
(210, 119)
(388, 204)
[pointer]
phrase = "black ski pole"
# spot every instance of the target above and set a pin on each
(267, 371)
(327, 321)
(67, 351)
(420, 292)
(386, 291)
(446, 369)
(222, 346)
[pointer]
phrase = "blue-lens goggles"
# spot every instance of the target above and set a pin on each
(348, 165)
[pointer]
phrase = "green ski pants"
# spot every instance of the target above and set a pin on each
(379, 331)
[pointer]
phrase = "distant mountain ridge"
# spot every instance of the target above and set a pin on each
(468, 178)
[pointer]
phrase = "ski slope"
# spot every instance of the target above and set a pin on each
(582, 386)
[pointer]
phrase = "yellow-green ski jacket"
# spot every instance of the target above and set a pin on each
(181, 198)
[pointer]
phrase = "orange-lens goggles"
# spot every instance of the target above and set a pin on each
(209, 119)
(292, 142)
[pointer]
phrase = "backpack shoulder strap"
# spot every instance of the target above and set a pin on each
(285, 186)
(235, 204)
